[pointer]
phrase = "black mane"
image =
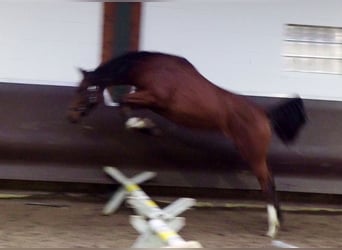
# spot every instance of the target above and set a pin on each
(121, 65)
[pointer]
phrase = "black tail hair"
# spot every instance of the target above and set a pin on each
(288, 118)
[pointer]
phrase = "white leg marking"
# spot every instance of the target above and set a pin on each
(273, 222)
(137, 122)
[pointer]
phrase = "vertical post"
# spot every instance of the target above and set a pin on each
(121, 31)
(121, 28)
(109, 17)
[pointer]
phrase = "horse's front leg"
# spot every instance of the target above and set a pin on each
(133, 121)
(135, 101)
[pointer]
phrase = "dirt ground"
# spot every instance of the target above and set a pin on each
(77, 222)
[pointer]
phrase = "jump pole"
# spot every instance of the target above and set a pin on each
(157, 227)
(120, 195)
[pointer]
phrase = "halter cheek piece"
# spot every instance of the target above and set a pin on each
(92, 100)
(92, 94)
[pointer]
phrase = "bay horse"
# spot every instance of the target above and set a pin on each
(170, 86)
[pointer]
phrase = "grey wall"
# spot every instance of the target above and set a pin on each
(44, 42)
(38, 143)
(238, 44)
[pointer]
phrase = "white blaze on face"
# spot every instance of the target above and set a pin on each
(273, 222)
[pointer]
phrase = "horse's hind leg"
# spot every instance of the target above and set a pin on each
(253, 146)
(267, 185)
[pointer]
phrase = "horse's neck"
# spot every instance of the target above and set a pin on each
(108, 83)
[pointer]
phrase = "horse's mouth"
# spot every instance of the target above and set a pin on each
(74, 114)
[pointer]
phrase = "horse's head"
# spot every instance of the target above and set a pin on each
(88, 95)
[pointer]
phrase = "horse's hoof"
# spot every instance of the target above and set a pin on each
(271, 234)
(139, 123)
(273, 221)
(273, 231)
(143, 125)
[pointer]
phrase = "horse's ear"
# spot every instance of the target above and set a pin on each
(83, 72)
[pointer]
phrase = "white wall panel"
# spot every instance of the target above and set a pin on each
(238, 44)
(44, 43)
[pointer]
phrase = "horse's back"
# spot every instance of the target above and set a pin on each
(123, 68)
(181, 92)
(186, 95)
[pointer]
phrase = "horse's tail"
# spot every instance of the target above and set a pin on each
(288, 118)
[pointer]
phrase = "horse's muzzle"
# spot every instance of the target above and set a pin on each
(74, 114)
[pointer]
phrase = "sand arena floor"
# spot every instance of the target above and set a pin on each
(75, 221)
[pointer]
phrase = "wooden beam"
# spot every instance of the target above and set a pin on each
(108, 30)
(120, 19)
(135, 26)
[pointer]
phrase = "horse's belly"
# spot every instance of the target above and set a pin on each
(196, 104)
